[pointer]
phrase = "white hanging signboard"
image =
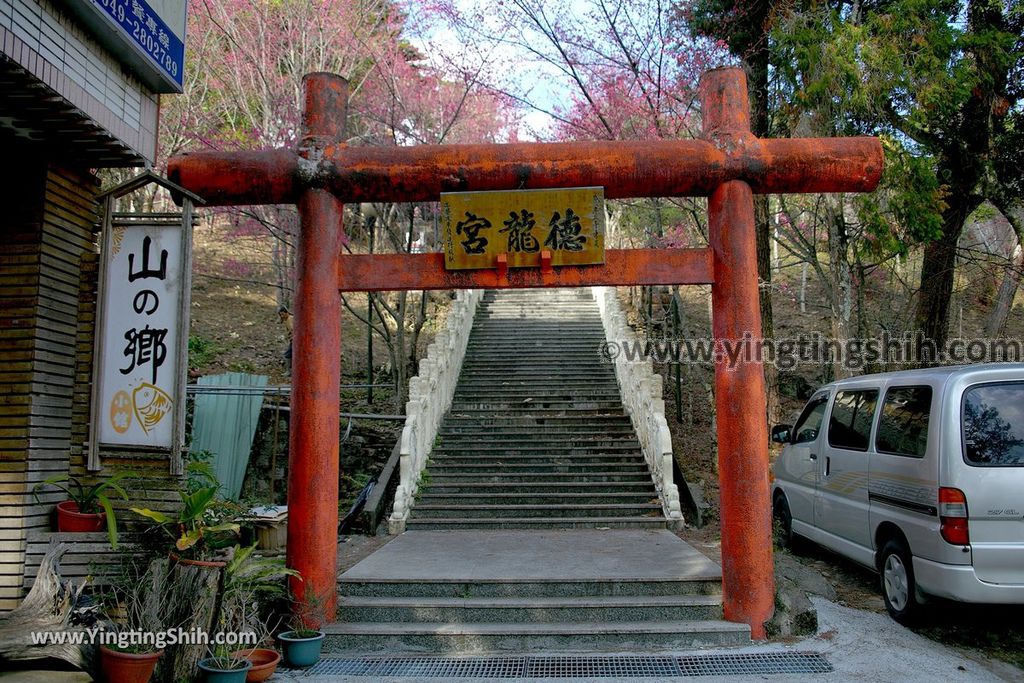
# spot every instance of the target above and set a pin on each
(141, 379)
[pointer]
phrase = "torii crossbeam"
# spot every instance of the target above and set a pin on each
(728, 165)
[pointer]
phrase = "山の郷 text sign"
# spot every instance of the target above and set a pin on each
(478, 226)
(141, 336)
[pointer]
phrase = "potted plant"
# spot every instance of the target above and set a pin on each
(302, 643)
(87, 508)
(200, 528)
(251, 584)
(127, 655)
(224, 667)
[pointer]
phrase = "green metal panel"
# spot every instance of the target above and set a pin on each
(225, 423)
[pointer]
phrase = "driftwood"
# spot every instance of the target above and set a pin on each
(46, 609)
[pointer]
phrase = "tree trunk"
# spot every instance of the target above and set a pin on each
(398, 367)
(996, 322)
(803, 287)
(938, 270)
(997, 318)
(756, 66)
(841, 289)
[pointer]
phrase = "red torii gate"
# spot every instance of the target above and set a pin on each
(728, 164)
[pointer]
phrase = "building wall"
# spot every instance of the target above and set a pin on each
(48, 281)
(52, 46)
(44, 236)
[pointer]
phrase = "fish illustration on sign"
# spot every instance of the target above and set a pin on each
(151, 403)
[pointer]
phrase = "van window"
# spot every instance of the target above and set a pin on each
(903, 425)
(850, 424)
(993, 425)
(809, 422)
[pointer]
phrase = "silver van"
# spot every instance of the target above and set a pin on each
(916, 474)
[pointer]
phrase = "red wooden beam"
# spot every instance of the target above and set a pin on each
(385, 272)
(632, 168)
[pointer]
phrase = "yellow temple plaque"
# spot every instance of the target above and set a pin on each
(479, 226)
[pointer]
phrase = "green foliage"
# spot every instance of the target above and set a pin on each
(253, 584)
(242, 366)
(201, 351)
(91, 499)
(201, 524)
(912, 210)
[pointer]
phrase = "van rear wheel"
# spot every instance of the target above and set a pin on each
(898, 586)
(782, 520)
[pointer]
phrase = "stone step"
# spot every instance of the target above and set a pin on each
(450, 523)
(563, 420)
(582, 369)
(498, 490)
(537, 461)
(516, 436)
(578, 340)
(467, 382)
(486, 374)
(537, 393)
(462, 511)
(461, 446)
(513, 389)
(514, 413)
(559, 322)
(429, 497)
(587, 363)
(489, 378)
(528, 588)
(526, 335)
(529, 610)
(561, 636)
(442, 468)
(513, 477)
(494, 404)
(542, 433)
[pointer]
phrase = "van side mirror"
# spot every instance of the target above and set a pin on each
(780, 433)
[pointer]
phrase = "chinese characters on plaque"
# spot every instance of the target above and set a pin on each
(140, 336)
(478, 226)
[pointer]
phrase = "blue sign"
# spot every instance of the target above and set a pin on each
(148, 31)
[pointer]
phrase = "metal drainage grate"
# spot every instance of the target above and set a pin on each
(572, 666)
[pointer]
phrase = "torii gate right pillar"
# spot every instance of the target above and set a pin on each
(748, 579)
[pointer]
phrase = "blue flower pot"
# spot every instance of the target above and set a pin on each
(300, 652)
(212, 674)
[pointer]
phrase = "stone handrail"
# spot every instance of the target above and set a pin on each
(430, 396)
(641, 390)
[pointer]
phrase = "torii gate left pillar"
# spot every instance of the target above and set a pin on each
(727, 165)
(316, 371)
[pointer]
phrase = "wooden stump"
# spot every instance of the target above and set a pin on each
(189, 595)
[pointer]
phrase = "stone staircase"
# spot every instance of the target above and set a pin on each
(536, 436)
(538, 526)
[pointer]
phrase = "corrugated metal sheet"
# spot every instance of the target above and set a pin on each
(225, 423)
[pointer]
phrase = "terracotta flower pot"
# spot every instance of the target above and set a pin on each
(127, 667)
(70, 519)
(264, 663)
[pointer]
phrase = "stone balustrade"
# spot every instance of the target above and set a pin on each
(641, 390)
(430, 396)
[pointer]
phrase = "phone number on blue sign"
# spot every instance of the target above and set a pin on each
(137, 19)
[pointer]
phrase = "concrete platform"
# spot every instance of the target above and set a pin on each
(520, 590)
(549, 555)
